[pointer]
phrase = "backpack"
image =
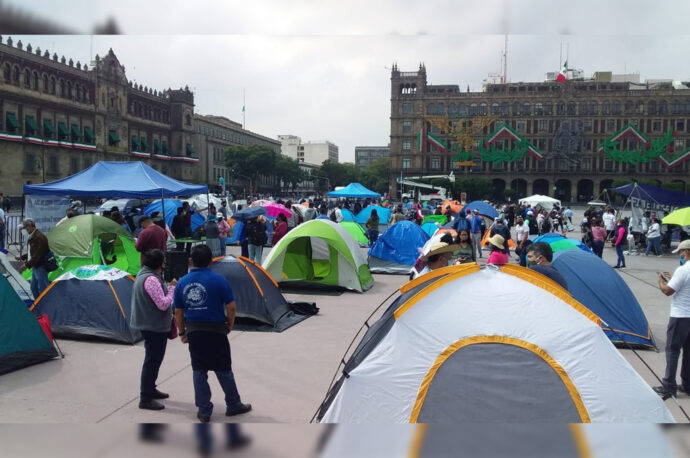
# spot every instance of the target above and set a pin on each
(333, 217)
(546, 225)
(255, 233)
(533, 227)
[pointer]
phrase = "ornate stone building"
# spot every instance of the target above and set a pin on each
(59, 117)
(568, 140)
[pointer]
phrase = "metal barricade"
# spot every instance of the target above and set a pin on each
(13, 233)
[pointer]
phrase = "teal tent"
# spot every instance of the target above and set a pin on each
(22, 341)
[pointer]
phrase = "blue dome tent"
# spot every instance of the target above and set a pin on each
(599, 288)
(397, 249)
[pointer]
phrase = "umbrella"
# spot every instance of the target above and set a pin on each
(273, 209)
(600, 203)
(249, 213)
(483, 208)
(680, 217)
(560, 243)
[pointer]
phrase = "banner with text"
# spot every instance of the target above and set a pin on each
(46, 211)
(639, 207)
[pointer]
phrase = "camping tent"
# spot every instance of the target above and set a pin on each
(597, 286)
(319, 253)
(545, 202)
(20, 284)
(384, 214)
(457, 346)
(484, 208)
(169, 208)
(260, 304)
(117, 179)
(92, 239)
(397, 249)
(347, 214)
(357, 232)
(356, 191)
(560, 243)
(643, 198)
(90, 301)
(430, 228)
(23, 342)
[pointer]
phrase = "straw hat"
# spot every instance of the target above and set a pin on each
(440, 248)
(497, 240)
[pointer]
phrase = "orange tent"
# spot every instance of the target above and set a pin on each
(454, 205)
(485, 241)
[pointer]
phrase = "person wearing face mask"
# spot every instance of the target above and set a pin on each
(539, 257)
(678, 330)
(439, 256)
(35, 257)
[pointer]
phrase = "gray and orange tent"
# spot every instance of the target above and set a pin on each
(90, 302)
(260, 304)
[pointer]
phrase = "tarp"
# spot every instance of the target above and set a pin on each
(398, 248)
(560, 243)
(22, 341)
(319, 253)
(260, 304)
(90, 301)
(598, 287)
(354, 190)
(117, 179)
(653, 194)
(384, 214)
(356, 231)
(464, 344)
(171, 207)
(484, 208)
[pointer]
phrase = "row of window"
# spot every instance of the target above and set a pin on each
(46, 128)
(44, 83)
(584, 108)
(141, 144)
(143, 110)
(33, 163)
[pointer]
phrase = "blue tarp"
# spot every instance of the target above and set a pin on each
(598, 287)
(117, 179)
(400, 243)
(171, 207)
(384, 214)
(354, 190)
(653, 194)
(484, 208)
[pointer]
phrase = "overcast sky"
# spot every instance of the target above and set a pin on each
(321, 69)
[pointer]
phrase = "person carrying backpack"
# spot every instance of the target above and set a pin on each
(255, 232)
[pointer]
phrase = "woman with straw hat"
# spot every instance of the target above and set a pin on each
(498, 254)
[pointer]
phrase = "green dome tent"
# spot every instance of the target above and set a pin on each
(92, 240)
(356, 231)
(319, 253)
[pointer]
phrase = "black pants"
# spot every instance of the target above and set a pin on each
(245, 249)
(598, 248)
(154, 351)
(677, 339)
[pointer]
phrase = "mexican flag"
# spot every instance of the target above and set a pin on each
(561, 75)
(437, 143)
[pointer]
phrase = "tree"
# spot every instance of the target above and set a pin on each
(251, 161)
(476, 188)
(288, 171)
(376, 176)
(340, 174)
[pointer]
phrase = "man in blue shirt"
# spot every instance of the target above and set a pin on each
(205, 314)
(476, 231)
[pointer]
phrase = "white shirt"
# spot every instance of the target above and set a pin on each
(654, 231)
(520, 230)
(609, 221)
(422, 272)
(680, 301)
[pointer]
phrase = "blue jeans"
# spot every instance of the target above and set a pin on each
(202, 391)
(256, 252)
(155, 344)
(39, 281)
(654, 242)
(223, 246)
(621, 258)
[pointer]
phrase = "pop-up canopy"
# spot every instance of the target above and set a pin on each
(355, 191)
(117, 179)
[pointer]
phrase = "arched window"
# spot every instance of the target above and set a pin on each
(34, 81)
(63, 88)
(7, 73)
(483, 109)
(616, 108)
(629, 107)
(560, 108)
(188, 119)
(79, 92)
(504, 109)
(517, 109)
(52, 85)
(452, 109)
(495, 109)
(526, 109)
(548, 108)
(538, 109)
(651, 107)
(593, 108)
(473, 109)
(15, 75)
(606, 108)
(27, 78)
(462, 109)
(663, 107)
(571, 108)
(70, 93)
(46, 87)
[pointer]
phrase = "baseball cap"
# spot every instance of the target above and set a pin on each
(684, 245)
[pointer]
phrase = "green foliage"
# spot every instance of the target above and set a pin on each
(288, 171)
(251, 161)
(674, 186)
(476, 188)
(509, 194)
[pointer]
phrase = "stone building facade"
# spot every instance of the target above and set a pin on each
(214, 135)
(568, 140)
(58, 117)
(365, 155)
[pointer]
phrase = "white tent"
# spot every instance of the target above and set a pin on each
(464, 344)
(545, 202)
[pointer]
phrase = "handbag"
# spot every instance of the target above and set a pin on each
(172, 334)
(49, 262)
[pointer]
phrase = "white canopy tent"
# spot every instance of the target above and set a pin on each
(545, 202)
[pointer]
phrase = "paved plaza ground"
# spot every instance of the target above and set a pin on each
(283, 375)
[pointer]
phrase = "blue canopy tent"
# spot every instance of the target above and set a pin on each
(397, 249)
(484, 208)
(383, 212)
(598, 287)
(654, 194)
(169, 209)
(117, 179)
(355, 191)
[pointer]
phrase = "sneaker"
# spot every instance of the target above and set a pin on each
(203, 418)
(160, 395)
(238, 409)
(684, 390)
(151, 405)
(622, 267)
(664, 392)
(616, 267)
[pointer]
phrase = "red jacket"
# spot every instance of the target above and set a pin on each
(153, 236)
(279, 231)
